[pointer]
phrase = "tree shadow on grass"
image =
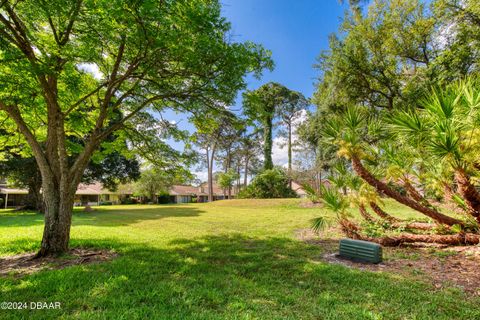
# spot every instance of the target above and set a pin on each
(109, 217)
(228, 277)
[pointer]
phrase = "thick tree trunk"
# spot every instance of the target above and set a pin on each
(34, 199)
(58, 219)
(267, 143)
(290, 155)
(382, 214)
(383, 188)
(469, 193)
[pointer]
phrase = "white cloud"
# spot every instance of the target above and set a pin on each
(279, 147)
(202, 175)
(91, 68)
(279, 154)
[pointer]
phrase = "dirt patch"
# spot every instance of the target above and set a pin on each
(443, 266)
(310, 204)
(23, 264)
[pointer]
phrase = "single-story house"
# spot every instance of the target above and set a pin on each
(95, 194)
(12, 197)
(300, 191)
(92, 194)
(185, 194)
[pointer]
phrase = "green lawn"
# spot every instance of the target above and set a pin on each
(225, 260)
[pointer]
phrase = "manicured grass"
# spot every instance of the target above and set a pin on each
(226, 260)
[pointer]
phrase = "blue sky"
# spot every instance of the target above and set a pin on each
(296, 31)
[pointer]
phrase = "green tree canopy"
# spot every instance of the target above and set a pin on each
(272, 183)
(259, 106)
(87, 68)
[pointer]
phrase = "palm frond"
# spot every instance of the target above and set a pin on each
(319, 224)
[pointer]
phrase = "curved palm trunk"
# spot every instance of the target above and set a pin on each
(353, 231)
(364, 213)
(415, 225)
(453, 240)
(383, 188)
(414, 194)
(448, 192)
(349, 228)
(382, 214)
(469, 193)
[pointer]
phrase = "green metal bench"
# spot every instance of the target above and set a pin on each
(359, 250)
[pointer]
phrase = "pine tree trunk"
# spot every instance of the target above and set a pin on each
(383, 188)
(267, 143)
(290, 155)
(210, 174)
(245, 178)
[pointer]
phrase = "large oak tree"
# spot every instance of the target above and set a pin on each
(87, 68)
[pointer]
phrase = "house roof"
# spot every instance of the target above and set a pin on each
(97, 189)
(202, 190)
(83, 189)
(298, 189)
(92, 189)
(216, 189)
(6, 190)
(179, 190)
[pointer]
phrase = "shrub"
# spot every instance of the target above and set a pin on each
(129, 201)
(272, 183)
(164, 198)
(106, 203)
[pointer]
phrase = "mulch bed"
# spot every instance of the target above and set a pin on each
(23, 264)
(443, 266)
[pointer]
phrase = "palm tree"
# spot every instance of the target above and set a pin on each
(447, 129)
(352, 134)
